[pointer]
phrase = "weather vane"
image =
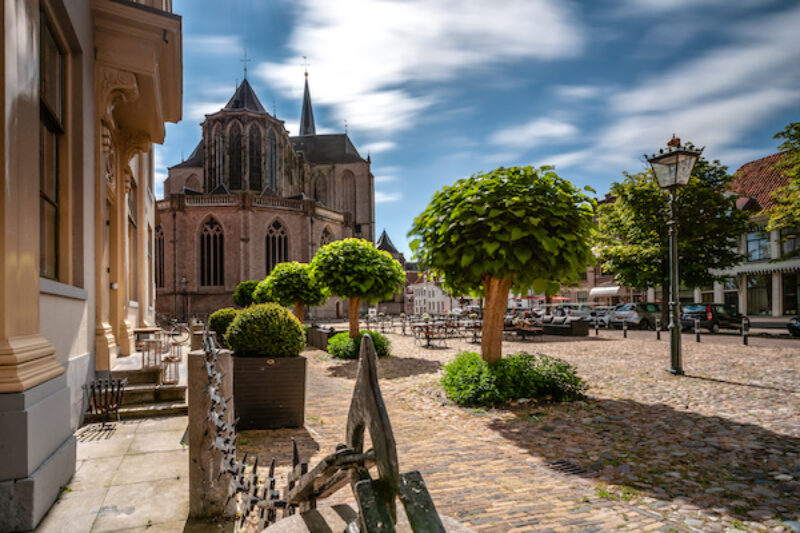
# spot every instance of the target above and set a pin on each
(245, 61)
(345, 126)
(306, 64)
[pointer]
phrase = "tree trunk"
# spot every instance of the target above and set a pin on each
(355, 305)
(496, 292)
(664, 305)
(298, 311)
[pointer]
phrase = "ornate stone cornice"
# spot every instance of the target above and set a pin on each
(116, 87)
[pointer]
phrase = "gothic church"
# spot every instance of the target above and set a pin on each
(249, 197)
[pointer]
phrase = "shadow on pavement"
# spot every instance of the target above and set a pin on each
(277, 443)
(668, 454)
(740, 384)
(389, 368)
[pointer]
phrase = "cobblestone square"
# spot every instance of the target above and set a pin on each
(715, 450)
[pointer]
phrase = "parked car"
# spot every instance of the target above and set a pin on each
(794, 326)
(712, 317)
(640, 315)
(601, 314)
(573, 310)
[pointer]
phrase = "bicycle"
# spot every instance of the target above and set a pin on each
(178, 332)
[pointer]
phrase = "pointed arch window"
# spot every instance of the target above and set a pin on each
(235, 156)
(216, 168)
(255, 159)
(212, 254)
(321, 190)
(159, 257)
(272, 163)
(277, 245)
(326, 237)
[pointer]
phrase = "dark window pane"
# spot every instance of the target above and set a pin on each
(48, 239)
(52, 65)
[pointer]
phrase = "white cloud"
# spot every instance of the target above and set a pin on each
(159, 169)
(711, 100)
(213, 44)
(382, 197)
(198, 110)
(578, 92)
(378, 147)
(385, 179)
(362, 52)
(536, 131)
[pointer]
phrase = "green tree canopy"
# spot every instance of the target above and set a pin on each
(243, 295)
(355, 269)
(521, 228)
(294, 284)
(785, 212)
(633, 239)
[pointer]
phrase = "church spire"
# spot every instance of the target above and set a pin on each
(307, 126)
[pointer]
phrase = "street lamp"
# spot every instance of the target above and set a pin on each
(673, 168)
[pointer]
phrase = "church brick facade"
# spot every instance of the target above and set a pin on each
(249, 197)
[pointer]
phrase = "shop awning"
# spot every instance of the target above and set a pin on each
(599, 292)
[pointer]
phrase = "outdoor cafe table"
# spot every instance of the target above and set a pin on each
(427, 330)
(474, 326)
(141, 334)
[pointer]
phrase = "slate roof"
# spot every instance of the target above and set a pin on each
(244, 98)
(385, 243)
(195, 159)
(327, 149)
(755, 181)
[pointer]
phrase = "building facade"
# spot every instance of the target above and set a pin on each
(87, 88)
(250, 197)
(767, 283)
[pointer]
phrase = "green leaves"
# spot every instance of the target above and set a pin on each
(293, 282)
(354, 268)
(507, 223)
(632, 237)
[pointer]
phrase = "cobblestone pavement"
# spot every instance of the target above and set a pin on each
(717, 450)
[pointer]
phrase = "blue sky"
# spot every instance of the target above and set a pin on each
(436, 90)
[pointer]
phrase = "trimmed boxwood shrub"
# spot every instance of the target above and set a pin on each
(243, 295)
(341, 346)
(267, 330)
(220, 320)
(471, 381)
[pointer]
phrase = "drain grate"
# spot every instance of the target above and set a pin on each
(565, 466)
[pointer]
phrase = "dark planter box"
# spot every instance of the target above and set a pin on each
(269, 393)
(318, 337)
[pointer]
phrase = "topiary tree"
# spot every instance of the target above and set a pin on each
(267, 330)
(243, 295)
(219, 320)
(261, 295)
(522, 228)
(355, 269)
(294, 284)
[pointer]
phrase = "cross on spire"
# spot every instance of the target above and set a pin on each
(245, 61)
(306, 64)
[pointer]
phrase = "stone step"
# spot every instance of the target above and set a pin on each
(149, 393)
(137, 377)
(148, 410)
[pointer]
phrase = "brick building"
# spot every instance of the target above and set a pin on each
(249, 197)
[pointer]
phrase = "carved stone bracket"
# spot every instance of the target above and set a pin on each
(115, 87)
(131, 144)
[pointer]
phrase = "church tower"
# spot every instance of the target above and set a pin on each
(307, 126)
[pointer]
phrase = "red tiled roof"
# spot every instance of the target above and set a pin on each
(756, 180)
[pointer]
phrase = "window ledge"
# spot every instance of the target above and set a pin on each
(55, 288)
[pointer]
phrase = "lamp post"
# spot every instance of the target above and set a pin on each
(673, 168)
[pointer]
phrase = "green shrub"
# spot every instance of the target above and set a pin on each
(341, 346)
(220, 320)
(469, 380)
(267, 330)
(243, 295)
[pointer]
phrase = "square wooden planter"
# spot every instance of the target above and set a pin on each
(269, 393)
